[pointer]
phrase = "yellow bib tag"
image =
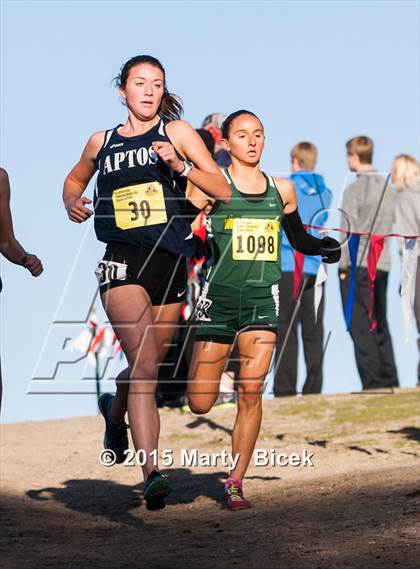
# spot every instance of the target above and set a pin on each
(255, 239)
(139, 206)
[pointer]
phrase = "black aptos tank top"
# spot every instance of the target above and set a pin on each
(138, 199)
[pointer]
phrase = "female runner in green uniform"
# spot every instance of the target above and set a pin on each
(240, 295)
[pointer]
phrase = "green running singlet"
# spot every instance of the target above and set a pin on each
(247, 232)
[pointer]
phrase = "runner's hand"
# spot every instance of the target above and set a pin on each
(167, 153)
(77, 211)
(33, 264)
(330, 250)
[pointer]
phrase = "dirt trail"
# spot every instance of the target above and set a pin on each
(355, 508)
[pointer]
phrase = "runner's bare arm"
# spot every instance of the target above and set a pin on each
(79, 177)
(206, 175)
(287, 193)
(300, 239)
(9, 245)
(198, 198)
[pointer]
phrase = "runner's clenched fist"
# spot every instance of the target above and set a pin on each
(168, 154)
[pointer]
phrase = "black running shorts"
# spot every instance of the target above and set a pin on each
(162, 274)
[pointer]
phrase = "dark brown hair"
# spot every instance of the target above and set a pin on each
(171, 105)
(207, 138)
(228, 121)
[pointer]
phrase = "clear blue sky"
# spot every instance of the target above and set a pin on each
(323, 71)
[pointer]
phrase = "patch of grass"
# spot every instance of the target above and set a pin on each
(311, 410)
(363, 407)
(336, 418)
(370, 408)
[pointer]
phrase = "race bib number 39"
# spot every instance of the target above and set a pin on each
(255, 239)
(139, 206)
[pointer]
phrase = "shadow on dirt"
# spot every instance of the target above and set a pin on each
(96, 498)
(323, 524)
(410, 433)
(200, 421)
(114, 501)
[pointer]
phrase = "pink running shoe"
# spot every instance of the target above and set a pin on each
(233, 498)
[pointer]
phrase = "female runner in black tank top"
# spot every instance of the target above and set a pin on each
(143, 321)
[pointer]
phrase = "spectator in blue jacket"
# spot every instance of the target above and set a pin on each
(314, 200)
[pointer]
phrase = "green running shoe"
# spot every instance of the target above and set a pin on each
(156, 489)
(115, 437)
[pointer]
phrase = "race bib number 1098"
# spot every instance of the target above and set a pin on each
(255, 239)
(139, 206)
